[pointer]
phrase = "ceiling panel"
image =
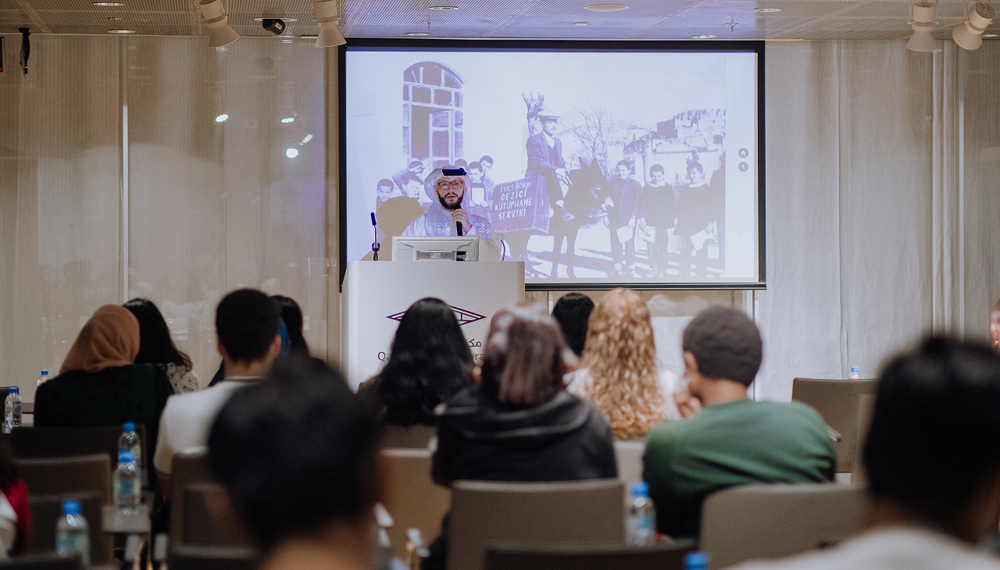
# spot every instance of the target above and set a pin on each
(645, 19)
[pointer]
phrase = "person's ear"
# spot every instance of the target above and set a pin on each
(219, 347)
(690, 363)
(477, 374)
(275, 347)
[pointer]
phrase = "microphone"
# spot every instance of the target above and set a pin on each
(375, 244)
(458, 226)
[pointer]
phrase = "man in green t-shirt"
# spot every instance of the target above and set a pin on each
(728, 439)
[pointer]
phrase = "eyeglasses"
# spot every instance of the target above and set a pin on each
(456, 184)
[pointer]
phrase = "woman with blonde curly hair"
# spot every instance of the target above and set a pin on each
(618, 370)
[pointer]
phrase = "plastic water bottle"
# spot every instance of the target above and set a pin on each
(12, 409)
(641, 529)
(696, 561)
(855, 373)
(126, 483)
(43, 378)
(129, 441)
(73, 534)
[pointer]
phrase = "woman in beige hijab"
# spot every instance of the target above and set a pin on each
(98, 384)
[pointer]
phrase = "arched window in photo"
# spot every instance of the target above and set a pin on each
(432, 113)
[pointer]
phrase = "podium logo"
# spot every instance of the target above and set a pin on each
(464, 316)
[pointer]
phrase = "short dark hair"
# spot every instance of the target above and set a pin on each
(155, 343)
(656, 168)
(725, 343)
(414, 163)
(486, 158)
(624, 163)
(572, 312)
(291, 315)
(932, 441)
(430, 361)
(475, 165)
(385, 182)
(293, 468)
(695, 166)
(247, 321)
(523, 360)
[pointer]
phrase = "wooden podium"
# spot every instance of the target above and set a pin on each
(377, 293)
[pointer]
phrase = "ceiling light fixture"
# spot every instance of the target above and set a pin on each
(969, 34)
(990, 36)
(767, 10)
(108, 4)
(219, 32)
(923, 25)
(416, 34)
(444, 7)
(221, 118)
(581, 23)
(121, 31)
(325, 12)
(704, 37)
(606, 7)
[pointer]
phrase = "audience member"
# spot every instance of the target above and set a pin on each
(246, 327)
(732, 440)
(995, 326)
(99, 384)
(430, 362)
(15, 515)
(291, 315)
(519, 424)
(932, 465)
(572, 311)
(619, 373)
(157, 347)
(297, 457)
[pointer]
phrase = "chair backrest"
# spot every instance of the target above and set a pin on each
(488, 513)
(866, 406)
(412, 498)
(773, 521)
(190, 472)
(212, 558)
(629, 457)
(47, 442)
(46, 561)
(46, 510)
(68, 475)
(412, 437)
(659, 557)
(201, 528)
(837, 403)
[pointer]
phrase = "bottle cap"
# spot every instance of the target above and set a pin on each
(640, 489)
(696, 561)
(71, 507)
(129, 426)
(15, 390)
(45, 372)
(126, 457)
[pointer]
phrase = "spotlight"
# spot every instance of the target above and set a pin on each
(292, 152)
(274, 25)
(923, 24)
(326, 14)
(219, 32)
(969, 34)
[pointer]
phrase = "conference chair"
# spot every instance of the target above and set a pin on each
(212, 558)
(192, 487)
(412, 499)
(866, 406)
(47, 561)
(657, 557)
(772, 521)
(484, 514)
(46, 510)
(68, 475)
(46, 442)
(628, 454)
(407, 437)
(837, 403)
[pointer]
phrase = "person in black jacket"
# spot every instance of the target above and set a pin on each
(519, 424)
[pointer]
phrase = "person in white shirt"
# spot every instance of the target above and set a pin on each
(933, 466)
(448, 193)
(246, 326)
